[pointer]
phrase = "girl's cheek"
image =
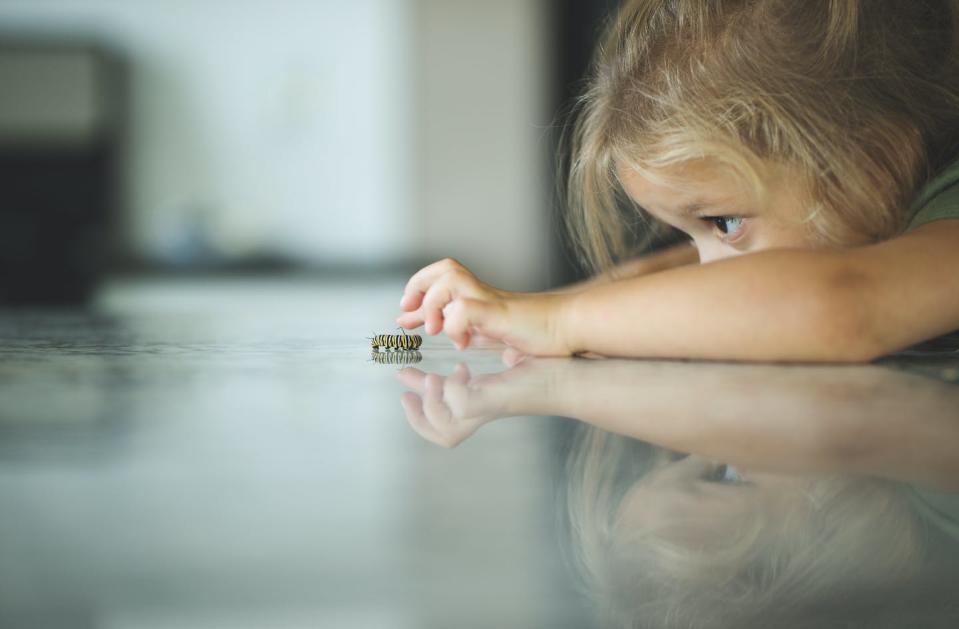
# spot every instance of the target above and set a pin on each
(717, 250)
(712, 251)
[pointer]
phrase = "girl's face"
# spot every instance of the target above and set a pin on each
(719, 212)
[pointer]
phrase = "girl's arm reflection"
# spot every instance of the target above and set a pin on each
(868, 420)
(779, 534)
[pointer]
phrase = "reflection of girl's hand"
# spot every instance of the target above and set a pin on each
(448, 410)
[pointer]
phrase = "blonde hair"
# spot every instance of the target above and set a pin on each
(838, 537)
(861, 98)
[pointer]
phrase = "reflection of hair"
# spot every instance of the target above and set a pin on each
(835, 539)
(860, 97)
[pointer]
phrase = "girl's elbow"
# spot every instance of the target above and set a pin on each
(848, 324)
(853, 347)
(859, 351)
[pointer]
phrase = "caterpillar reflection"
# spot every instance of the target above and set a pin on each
(410, 357)
(405, 342)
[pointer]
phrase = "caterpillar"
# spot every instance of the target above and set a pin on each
(410, 357)
(405, 342)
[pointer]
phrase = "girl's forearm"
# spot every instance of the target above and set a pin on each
(783, 305)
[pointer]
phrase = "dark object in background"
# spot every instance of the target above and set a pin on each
(577, 28)
(61, 113)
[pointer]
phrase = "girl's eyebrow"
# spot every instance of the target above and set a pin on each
(700, 207)
(692, 209)
(687, 210)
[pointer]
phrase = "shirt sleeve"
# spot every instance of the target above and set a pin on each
(938, 200)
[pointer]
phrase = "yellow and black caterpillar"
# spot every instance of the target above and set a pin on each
(397, 342)
(410, 357)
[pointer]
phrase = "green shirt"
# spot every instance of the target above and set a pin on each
(938, 199)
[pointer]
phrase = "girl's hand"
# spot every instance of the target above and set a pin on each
(435, 286)
(447, 297)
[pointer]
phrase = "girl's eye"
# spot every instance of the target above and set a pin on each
(724, 474)
(728, 225)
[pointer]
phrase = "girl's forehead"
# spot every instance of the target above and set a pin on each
(685, 184)
(691, 174)
(708, 181)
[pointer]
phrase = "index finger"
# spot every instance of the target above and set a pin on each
(417, 285)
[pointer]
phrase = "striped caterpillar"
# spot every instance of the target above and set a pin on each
(396, 342)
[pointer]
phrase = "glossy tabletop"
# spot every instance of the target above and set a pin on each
(229, 453)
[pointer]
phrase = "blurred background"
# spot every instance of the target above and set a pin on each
(238, 189)
(367, 136)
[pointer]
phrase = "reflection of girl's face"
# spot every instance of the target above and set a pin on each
(696, 499)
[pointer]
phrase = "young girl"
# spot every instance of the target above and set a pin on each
(810, 150)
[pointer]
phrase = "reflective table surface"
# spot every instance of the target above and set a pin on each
(229, 453)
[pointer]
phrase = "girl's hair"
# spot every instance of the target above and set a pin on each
(860, 97)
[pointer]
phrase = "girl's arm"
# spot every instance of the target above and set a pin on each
(436, 285)
(780, 305)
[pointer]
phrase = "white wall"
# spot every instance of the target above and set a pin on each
(359, 131)
(258, 125)
(482, 145)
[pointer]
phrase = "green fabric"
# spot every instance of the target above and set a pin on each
(939, 199)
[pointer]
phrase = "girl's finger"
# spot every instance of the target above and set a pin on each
(457, 323)
(467, 316)
(437, 297)
(410, 320)
(418, 285)
(411, 301)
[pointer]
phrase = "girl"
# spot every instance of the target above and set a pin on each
(807, 147)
